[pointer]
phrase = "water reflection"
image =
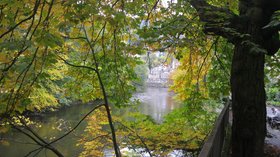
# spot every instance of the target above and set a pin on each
(156, 102)
(51, 126)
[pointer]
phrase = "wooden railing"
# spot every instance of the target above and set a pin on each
(213, 146)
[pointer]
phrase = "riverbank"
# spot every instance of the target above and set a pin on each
(50, 110)
(155, 102)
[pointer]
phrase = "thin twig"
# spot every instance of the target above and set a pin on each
(76, 66)
(85, 116)
(150, 12)
(66, 134)
(24, 20)
(104, 93)
(138, 136)
(204, 60)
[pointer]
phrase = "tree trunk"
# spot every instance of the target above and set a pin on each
(248, 103)
(247, 84)
(252, 40)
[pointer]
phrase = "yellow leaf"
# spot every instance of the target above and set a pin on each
(4, 59)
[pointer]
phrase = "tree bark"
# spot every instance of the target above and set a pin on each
(251, 42)
(247, 84)
(248, 103)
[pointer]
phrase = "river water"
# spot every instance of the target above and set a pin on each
(155, 102)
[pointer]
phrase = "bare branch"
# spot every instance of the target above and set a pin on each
(33, 151)
(38, 142)
(48, 145)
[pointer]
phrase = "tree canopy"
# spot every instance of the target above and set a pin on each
(53, 52)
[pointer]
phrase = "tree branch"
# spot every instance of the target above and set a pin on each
(85, 116)
(150, 12)
(220, 21)
(272, 4)
(77, 66)
(48, 145)
(104, 93)
(24, 20)
(271, 35)
(38, 142)
(138, 136)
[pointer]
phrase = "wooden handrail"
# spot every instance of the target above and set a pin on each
(214, 144)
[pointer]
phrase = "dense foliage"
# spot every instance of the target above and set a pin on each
(55, 52)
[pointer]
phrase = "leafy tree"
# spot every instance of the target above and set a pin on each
(272, 79)
(253, 37)
(97, 41)
(38, 37)
(250, 29)
(142, 75)
(218, 82)
(184, 129)
(190, 77)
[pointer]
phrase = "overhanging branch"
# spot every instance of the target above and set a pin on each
(223, 22)
(272, 4)
(219, 21)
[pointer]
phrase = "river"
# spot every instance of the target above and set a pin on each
(155, 102)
